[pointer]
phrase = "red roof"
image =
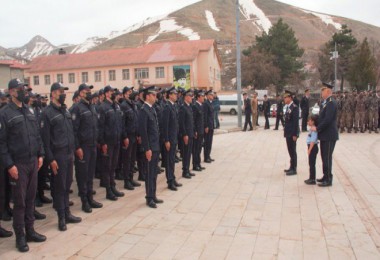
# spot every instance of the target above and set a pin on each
(13, 64)
(179, 51)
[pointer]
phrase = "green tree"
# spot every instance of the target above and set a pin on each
(362, 69)
(346, 44)
(281, 43)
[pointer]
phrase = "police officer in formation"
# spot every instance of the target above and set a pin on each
(101, 130)
(305, 109)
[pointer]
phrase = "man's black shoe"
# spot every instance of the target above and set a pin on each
(321, 179)
(171, 186)
(208, 161)
(45, 199)
(128, 185)
(325, 184)
(135, 183)
(70, 218)
(116, 192)
(21, 244)
(156, 200)
(177, 184)
(33, 236)
(186, 175)
(5, 233)
(94, 204)
(310, 182)
(62, 224)
(192, 174)
(202, 168)
(197, 169)
(151, 204)
(38, 215)
(287, 170)
(110, 195)
(292, 172)
(86, 207)
(213, 160)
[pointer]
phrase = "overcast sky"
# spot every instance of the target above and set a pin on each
(73, 21)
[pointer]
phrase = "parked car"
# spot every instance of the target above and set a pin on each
(229, 104)
(273, 110)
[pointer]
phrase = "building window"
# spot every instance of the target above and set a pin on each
(142, 73)
(98, 76)
(36, 80)
(84, 77)
(71, 78)
(111, 75)
(60, 78)
(160, 72)
(47, 79)
(126, 74)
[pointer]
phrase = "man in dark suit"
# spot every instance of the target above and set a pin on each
(209, 126)
(279, 112)
(305, 109)
(266, 111)
(199, 129)
(291, 131)
(247, 112)
(327, 133)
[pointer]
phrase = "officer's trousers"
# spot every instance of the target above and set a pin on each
(43, 173)
(62, 181)
(187, 149)
(305, 115)
(312, 160)
(24, 192)
(278, 119)
(141, 163)
(208, 144)
(197, 149)
(110, 164)
(129, 158)
(247, 121)
(85, 171)
(327, 149)
(151, 177)
(292, 150)
(170, 162)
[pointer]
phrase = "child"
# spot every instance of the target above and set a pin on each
(312, 145)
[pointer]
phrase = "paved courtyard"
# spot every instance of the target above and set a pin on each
(241, 207)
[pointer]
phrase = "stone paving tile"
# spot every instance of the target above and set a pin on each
(241, 207)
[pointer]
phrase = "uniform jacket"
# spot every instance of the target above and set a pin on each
(198, 116)
(130, 114)
(186, 121)
(57, 131)
(327, 124)
(110, 123)
(292, 121)
(85, 123)
(148, 129)
(305, 105)
(20, 139)
(247, 106)
(170, 123)
(208, 111)
(280, 108)
(266, 107)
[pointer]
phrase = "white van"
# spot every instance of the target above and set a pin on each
(229, 104)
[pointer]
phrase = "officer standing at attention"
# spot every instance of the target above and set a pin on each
(186, 131)
(266, 111)
(170, 134)
(279, 112)
(209, 126)
(150, 143)
(247, 112)
(85, 124)
(58, 138)
(291, 131)
(21, 154)
(305, 109)
(199, 129)
(327, 133)
(130, 114)
(110, 129)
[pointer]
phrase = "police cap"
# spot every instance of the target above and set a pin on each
(58, 86)
(109, 88)
(84, 86)
(327, 85)
(126, 89)
(15, 83)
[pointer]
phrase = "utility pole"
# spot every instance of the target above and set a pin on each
(238, 64)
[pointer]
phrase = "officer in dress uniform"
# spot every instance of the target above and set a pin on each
(85, 124)
(169, 135)
(291, 131)
(247, 112)
(186, 131)
(199, 129)
(110, 129)
(150, 143)
(305, 109)
(21, 153)
(209, 126)
(58, 138)
(130, 114)
(141, 162)
(266, 111)
(327, 133)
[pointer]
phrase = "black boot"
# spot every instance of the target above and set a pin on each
(110, 195)
(5, 233)
(128, 185)
(33, 236)
(70, 218)
(93, 203)
(45, 199)
(62, 223)
(135, 183)
(171, 186)
(157, 200)
(38, 215)
(116, 192)
(177, 184)
(86, 206)
(21, 244)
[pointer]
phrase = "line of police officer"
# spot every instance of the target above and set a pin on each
(99, 133)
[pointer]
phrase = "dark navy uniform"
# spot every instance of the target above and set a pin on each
(85, 124)
(279, 114)
(21, 146)
(199, 129)
(150, 135)
(304, 112)
(140, 155)
(110, 130)
(186, 128)
(169, 134)
(248, 114)
(328, 135)
(209, 123)
(292, 130)
(266, 111)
